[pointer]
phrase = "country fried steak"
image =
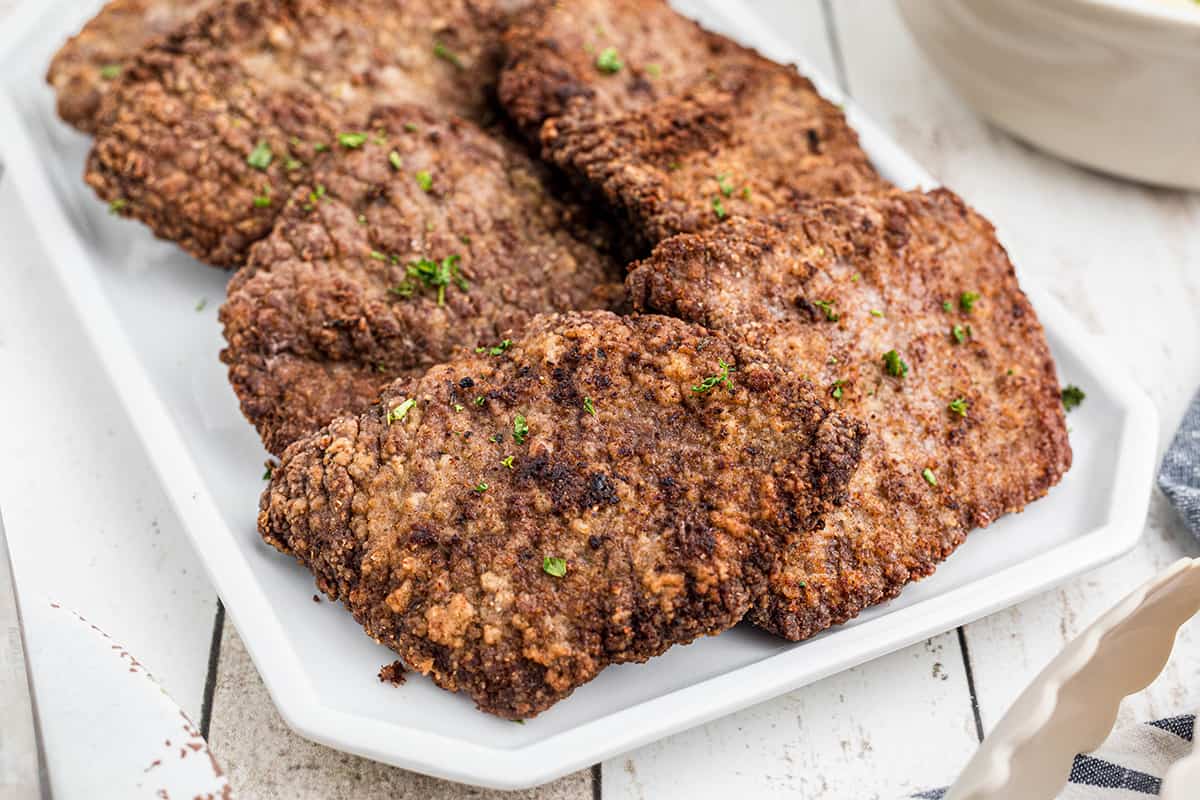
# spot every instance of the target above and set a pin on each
(906, 310)
(603, 489)
(603, 59)
(426, 236)
(673, 127)
(751, 140)
(233, 107)
(88, 65)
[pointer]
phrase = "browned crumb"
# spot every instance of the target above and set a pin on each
(393, 673)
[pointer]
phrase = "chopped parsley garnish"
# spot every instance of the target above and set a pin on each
(352, 141)
(395, 160)
(967, 301)
(362, 219)
(261, 156)
(588, 406)
(458, 407)
(609, 61)
(745, 192)
(424, 180)
(894, 364)
(269, 469)
(117, 206)
(496, 350)
(481, 487)
(110, 71)
(827, 307)
(1072, 396)
(479, 400)
(439, 274)
(725, 186)
(411, 127)
(836, 392)
(713, 381)
(929, 477)
(719, 208)
(320, 147)
(947, 305)
(446, 54)
(554, 566)
(959, 333)
(507, 461)
(314, 197)
(262, 201)
(398, 413)
(959, 406)
(520, 429)
(378, 256)
(201, 305)
(293, 164)
(875, 312)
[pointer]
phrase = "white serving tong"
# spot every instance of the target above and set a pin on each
(1071, 706)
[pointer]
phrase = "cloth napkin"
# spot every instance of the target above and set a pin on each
(1129, 765)
(1179, 475)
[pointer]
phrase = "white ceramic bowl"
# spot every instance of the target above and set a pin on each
(1110, 84)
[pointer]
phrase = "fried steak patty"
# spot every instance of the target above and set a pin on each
(751, 140)
(87, 66)
(674, 127)
(964, 414)
(236, 105)
(428, 236)
(593, 508)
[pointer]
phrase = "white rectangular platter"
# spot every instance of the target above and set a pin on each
(151, 314)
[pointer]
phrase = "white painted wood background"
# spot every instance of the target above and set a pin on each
(1125, 259)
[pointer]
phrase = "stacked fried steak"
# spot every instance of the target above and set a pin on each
(514, 462)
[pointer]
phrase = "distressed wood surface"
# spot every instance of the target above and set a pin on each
(1125, 259)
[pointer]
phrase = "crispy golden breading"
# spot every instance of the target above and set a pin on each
(751, 140)
(428, 236)
(593, 508)
(603, 58)
(964, 415)
(237, 103)
(88, 65)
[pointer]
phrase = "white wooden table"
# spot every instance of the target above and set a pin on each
(1124, 258)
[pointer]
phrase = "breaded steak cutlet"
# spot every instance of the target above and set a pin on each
(88, 65)
(674, 127)
(427, 236)
(905, 308)
(603, 59)
(235, 105)
(752, 140)
(512, 524)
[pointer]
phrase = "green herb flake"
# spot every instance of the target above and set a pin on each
(958, 406)
(967, 301)
(362, 219)
(588, 406)
(520, 429)
(827, 307)
(446, 54)
(268, 471)
(262, 201)
(200, 306)
(554, 566)
(352, 141)
(712, 381)
(947, 306)
(261, 156)
(398, 413)
(479, 400)
(507, 461)
(395, 160)
(110, 72)
(724, 185)
(719, 208)
(653, 70)
(117, 206)
(293, 164)
(424, 180)
(836, 391)
(609, 61)
(894, 364)
(875, 312)
(959, 333)
(433, 274)
(929, 477)
(496, 350)
(746, 193)
(458, 407)
(481, 487)
(1072, 396)
(411, 127)
(378, 256)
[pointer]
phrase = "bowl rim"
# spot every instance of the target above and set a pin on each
(1163, 11)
